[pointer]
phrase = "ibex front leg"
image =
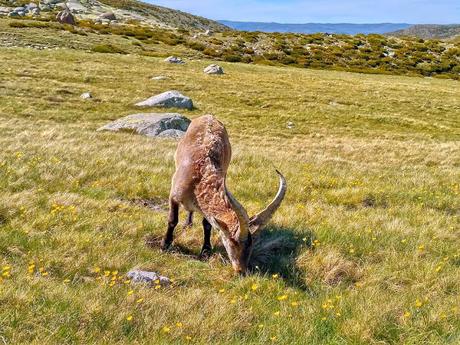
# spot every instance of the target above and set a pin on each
(172, 222)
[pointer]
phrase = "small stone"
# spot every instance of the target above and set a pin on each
(174, 59)
(290, 125)
(146, 277)
(160, 77)
(108, 16)
(86, 95)
(65, 17)
(214, 69)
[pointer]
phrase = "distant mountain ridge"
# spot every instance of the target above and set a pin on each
(429, 31)
(311, 28)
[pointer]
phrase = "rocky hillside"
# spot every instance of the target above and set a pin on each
(123, 11)
(429, 31)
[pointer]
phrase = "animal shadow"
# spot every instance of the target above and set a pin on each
(275, 252)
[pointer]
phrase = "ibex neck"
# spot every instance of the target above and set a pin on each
(211, 198)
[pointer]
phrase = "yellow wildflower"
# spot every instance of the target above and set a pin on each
(282, 298)
(179, 324)
(254, 287)
(130, 292)
(166, 329)
(129, 318)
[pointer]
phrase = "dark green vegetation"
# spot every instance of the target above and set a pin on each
(361, 53)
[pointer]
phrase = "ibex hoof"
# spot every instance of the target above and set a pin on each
(165, 245)
(205, 253)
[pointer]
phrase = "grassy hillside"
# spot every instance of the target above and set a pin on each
(361, 53)
(429, 31)
(369, 226)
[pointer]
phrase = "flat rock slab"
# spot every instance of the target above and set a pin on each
(146, 277)
(168, 99)
(166, 125)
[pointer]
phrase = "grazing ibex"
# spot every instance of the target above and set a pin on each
(202, 159)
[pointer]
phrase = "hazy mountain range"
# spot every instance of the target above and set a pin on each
(310, 28)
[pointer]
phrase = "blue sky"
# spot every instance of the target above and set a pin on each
(323, 11)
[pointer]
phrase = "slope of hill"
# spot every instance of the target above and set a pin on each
(311, 28)
(364, 249)
(128, 11)
(359, 53)
(429, 31)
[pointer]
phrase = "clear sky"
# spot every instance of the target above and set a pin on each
(323, 11)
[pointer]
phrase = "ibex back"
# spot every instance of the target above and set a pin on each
(202, 159)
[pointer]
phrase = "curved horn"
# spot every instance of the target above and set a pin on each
(241, 213)
(262, 218)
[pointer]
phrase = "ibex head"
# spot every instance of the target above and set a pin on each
(238, 237)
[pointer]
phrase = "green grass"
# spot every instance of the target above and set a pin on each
(369, 226)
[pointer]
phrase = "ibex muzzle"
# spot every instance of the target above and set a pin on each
(202, 159)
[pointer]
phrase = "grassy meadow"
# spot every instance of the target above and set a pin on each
(369, 228)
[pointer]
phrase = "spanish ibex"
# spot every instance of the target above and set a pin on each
(202, 159)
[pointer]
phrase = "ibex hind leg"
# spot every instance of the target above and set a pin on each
(173, 219)
(206, 251)
(189, 221)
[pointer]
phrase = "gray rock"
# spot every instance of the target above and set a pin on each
(214, 69)
(31, 6)
(65, 17)
(172, 133)
(174, 59)
(75, 6)
(108, 15)
(13, 14)
(160, 77)
(146, 277)
(86, 95)
(19, 9)
(168, 99)
(208, 33)
(35, 11)
(44, 7)
(150, 124)
(21, 13)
